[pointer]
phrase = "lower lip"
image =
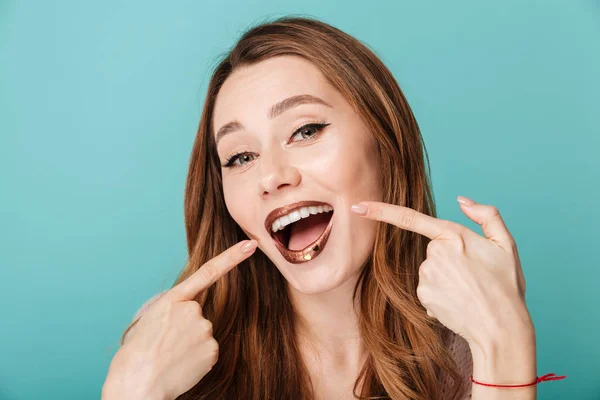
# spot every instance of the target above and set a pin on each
(309, 252)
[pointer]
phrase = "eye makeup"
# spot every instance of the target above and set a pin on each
(317, 126)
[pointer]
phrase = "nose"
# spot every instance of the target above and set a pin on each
(276, 174)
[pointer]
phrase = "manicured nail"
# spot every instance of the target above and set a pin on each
(465, 200)
(249, 246)
(360, 209)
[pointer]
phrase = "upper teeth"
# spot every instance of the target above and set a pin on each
(298, 214)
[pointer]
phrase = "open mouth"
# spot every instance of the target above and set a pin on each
(300, 231)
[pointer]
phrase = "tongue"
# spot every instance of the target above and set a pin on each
(307, 230)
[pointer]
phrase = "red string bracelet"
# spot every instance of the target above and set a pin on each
(547, 377)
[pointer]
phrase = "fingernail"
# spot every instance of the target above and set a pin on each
(465, 200)
(248, 247)
(360, 209)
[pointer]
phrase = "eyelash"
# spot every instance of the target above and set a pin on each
(318, 126)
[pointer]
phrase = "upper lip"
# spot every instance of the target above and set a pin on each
(281, 211)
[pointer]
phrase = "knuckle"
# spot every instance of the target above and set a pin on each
(430, 250)
(192, 307)
(433, 246)
(425, 271)
(213, 345)
(454, 229)
(208, 271)
(456, 233)
(207, 326)
(422, 294)
(406, 217)
(168, 308)
(212, 350)
(492, 211)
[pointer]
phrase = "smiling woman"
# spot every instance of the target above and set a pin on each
(300, 122)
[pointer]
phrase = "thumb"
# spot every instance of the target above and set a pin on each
(488, 217)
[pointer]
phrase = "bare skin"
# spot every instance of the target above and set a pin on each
(281, 167)
(333, 355)
(172, 347)
(339, 166)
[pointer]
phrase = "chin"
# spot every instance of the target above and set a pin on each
(344, 244)
(339, 262)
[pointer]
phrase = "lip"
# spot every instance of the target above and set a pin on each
(310, 251)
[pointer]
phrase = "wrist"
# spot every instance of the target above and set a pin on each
(115, 390)
(500, 333)
(505, 355)
(131, 378)
(508, 358)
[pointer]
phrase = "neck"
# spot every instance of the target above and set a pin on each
(327, 326)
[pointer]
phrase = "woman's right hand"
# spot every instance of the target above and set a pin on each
(172, 346)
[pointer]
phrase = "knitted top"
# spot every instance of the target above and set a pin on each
(459, 349)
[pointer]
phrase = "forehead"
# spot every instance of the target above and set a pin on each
(249, 92)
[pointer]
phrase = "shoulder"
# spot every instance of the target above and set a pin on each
(461, 353)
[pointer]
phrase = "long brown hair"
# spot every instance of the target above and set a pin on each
(252, 316)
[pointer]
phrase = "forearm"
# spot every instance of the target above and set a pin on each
(508, 359)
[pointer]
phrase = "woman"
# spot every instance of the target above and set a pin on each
(300, 123)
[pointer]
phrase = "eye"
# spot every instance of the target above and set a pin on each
(231, 161)
(313, 129)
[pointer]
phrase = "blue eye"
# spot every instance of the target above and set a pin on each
(316, 128)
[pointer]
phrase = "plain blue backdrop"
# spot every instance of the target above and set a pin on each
(99, 105)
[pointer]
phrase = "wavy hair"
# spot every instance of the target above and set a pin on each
(252, 315)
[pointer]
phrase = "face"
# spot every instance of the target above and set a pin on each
(276, 159)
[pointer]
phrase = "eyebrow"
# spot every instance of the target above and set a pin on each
(276, 110)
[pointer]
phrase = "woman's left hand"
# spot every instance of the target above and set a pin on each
(473, 285)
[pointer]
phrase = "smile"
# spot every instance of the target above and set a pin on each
(300, 230)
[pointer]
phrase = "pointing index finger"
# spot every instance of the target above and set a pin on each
(404, 217)
(213, 270)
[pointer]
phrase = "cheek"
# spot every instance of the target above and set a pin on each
(235, 194)
(350, 169)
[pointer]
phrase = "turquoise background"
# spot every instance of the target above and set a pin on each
(99, 104)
